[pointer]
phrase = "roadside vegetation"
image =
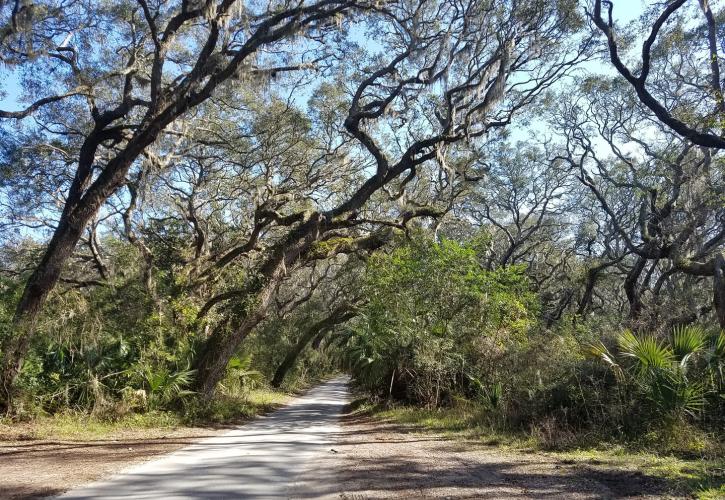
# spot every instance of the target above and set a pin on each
(690, 463)
(82, 426)
(650, 403)
(504, 220)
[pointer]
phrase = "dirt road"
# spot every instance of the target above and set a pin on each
(375, 461)
(261, 459)
(309, 450)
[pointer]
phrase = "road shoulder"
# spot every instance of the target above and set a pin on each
(35, 468)
(375, 460)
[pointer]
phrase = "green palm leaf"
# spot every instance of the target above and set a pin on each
(687, 341)
(647, 351)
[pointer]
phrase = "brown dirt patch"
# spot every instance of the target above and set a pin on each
(375, 460)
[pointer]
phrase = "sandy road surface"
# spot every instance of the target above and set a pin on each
(261, 459)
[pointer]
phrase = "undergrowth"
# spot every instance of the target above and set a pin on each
(689, 460)
(223, 409)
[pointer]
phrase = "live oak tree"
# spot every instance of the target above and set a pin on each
(120, 74)
(678, 78)
(672, 46)
(526, 198)
(133, 80)
(448, 72)
(660, 194)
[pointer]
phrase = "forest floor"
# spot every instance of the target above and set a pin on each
(383, 458)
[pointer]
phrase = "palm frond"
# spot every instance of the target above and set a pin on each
(673, 394)
(687, 340)
(600, 352)
(648, 352)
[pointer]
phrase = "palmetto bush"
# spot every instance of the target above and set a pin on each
(164, 385)
(240, 377)
(678, 377)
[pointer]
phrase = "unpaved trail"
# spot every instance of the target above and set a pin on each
(258, 460)
(308, 450)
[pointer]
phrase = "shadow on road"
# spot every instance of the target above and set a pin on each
(384, 460)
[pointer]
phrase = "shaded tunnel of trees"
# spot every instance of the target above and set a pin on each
(515, 203)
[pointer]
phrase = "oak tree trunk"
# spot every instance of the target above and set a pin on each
(39, 285)
(719, 289)
(223, 343)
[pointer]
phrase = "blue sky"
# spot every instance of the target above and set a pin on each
(10, 88)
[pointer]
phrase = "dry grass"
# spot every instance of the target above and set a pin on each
(691, 462)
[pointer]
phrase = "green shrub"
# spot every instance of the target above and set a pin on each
(434, 321)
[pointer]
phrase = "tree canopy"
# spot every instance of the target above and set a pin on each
(436, 195)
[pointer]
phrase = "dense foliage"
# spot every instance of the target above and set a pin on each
(436, 323)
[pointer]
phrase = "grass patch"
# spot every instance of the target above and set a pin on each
(84, 427)
(235, 408)
(690, 463)
(81, 426)
(444, 420)
(267, 398)
(702, 478)
(463, 421)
